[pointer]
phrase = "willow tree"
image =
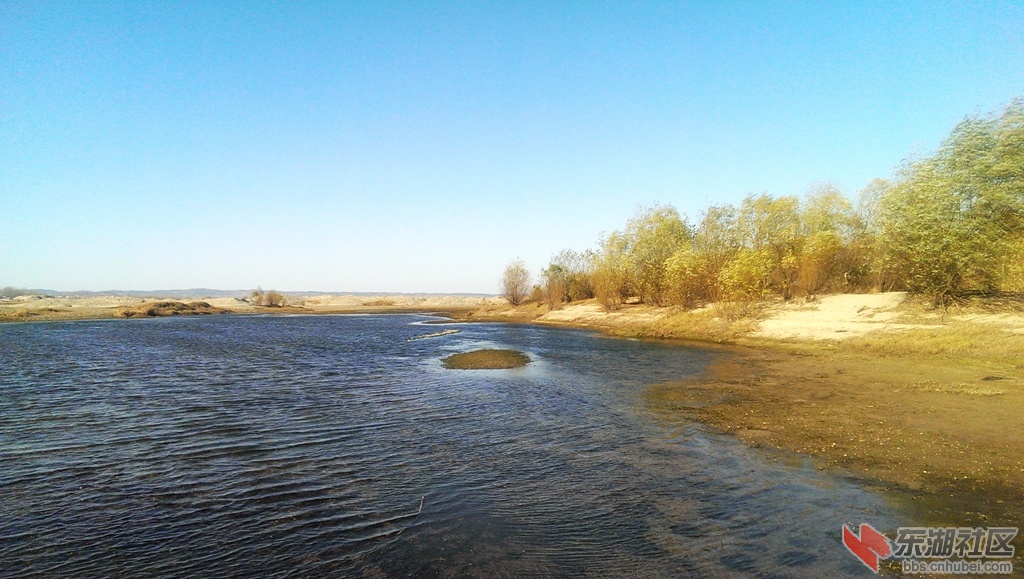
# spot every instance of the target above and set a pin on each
(693, 270)
(651, 237)
(867, 247)
(827, 226)
(568, 277)
(609, 270)
(686, 273)
(952, 220)
(770, 228)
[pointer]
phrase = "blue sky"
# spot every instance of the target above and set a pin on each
(420, 146)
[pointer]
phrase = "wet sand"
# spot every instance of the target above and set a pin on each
(946, 432)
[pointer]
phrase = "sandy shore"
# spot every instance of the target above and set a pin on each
(834, 317)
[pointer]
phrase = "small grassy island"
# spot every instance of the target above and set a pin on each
(488, 359)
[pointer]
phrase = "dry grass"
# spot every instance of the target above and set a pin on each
(17, 314)
(955, 340)
(961, 388)
(169, 308)
(920, 311)
(1004, 302)
(703, 325)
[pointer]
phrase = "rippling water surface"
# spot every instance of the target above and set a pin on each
(305, 446)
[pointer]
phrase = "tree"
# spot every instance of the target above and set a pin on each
(748, 276)
(692, 272)
(515, 283)
(948, 223)
(827, 226)
(555, 278)
(771, 225)
(952, 220)
(686, 274)
(866, 246)
(609, 269)
(272, 298)
(632, 262)
(651, 237)
(568, 277)
(718, 236)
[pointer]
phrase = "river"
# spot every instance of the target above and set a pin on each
(326, 446)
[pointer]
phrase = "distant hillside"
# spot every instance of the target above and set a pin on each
(173, 294)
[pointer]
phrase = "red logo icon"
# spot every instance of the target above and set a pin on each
(869, 547)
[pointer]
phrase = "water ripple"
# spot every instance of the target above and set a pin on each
(304, 446)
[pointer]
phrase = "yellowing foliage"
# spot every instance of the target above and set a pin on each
(947, 225)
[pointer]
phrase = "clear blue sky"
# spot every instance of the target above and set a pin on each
(420, 146)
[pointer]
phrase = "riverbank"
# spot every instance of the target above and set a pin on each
(936, 427)
(877, 386)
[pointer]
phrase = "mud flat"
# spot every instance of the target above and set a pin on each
(488, 359)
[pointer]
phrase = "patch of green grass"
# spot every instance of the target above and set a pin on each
(488, 359)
